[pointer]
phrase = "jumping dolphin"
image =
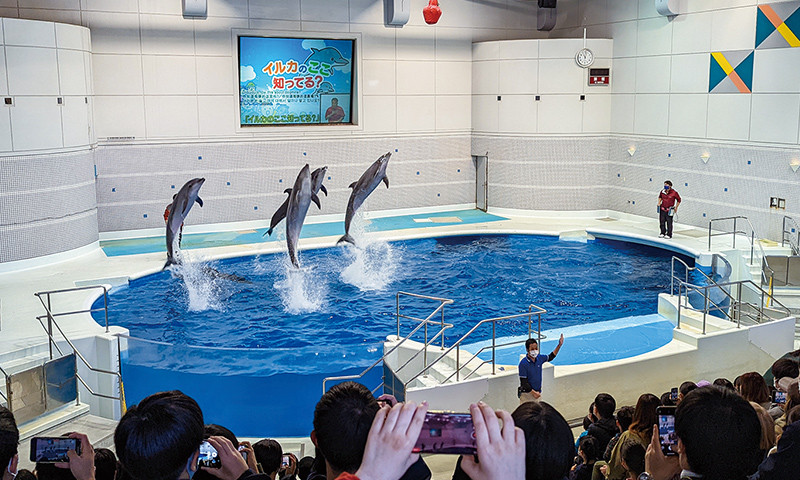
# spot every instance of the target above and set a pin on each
(369, 180)
(183, 202)
(300, 198)
(317, 176)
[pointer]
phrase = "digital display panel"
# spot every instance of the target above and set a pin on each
(295, 81)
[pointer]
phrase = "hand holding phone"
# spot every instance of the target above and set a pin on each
(779, 397)
(53, 449)
(231, 463)
(209, 457)
(390, 441)
(666, 430)
(445, 432)
(501, 451)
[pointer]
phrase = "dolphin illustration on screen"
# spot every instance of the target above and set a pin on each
(328, 55)
(317, 176)
(300, 198)
(183, 202)
(369, 180)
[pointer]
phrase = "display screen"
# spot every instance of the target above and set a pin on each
(295, 81)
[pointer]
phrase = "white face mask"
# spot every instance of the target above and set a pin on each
(13, 475)
(534, 352)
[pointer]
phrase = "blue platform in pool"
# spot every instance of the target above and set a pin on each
(590, 343)
(134, 246)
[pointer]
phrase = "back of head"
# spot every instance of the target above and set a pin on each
(342, 420)
(590, 448)
(625, 417)
(268, 453)
(753, 387)
(304, 467)
(549, 445)
(105, 464)
(686, 387)
(9, 437)
(785, 367)
(633, 455)
(767, 426)
(156, 438)
(793, 415)
(724, 383)
(666, 399)
(644, 416)
(49, 471)
(720, 433)
(605, 405)
(23, 474)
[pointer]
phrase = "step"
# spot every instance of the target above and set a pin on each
(69, 418)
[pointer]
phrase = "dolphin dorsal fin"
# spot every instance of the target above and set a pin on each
(315, 199)
(314, 50)
(199, 201)
(288, 191)
(352, 185)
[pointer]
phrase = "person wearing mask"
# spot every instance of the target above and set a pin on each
(530, 370)
(668, 202)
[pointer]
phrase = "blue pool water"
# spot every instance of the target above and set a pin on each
(270, 341)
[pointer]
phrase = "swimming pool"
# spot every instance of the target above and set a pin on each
(270, 341)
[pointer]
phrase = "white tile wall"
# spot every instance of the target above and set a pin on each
(324, 11)
(36, 123)
(170, 116)
(691, 33)
(453, 78)
(518, 49)
(166, 75)
(161, 7)
(776, 70)
(117, 74)
(5, 129)
(485, 111)
(71, 73)
(3, 74)
(119, 116)
(69, 36)
(417, 113)
(283, 10)
(624, 35)
(652, 74)
(517, 114)
(560, 48)
(29, 33)
(166, 35)
(623, 75)
(377, 42)
(217, 115)
(212, 36)
(485, 77)
(689, 73)
(416, 78)
(651, 114)
(597, 113)
(733, 29)
(622, 10)
(113, 32)
(75, 121)
(416, 43)
(54, 4)
(654, 37)
(774, 118)
(687, 115)
(453, 44)
(454, 112)
(518, 76)
(366, 11)
(32, 71)
(380, 113)
(215, 75)
(729, 116)
(560, 76)
(379, 77)
(560, 114)
(130, 6)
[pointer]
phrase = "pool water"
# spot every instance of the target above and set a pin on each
(271, 339)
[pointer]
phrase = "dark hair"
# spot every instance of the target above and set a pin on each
(268, 453)
(785, 367)
(793, 415)
(666, 399)
(9, 437)
(23, 474)
(105, 464)
(304, 467)
(605, 405)
(667, 182)
(530, 342)
(156, 438)
(625, 417)
(49, 471)
(632, 453)
(589, 446)
(549, 444)
(686, 387)
(587, 422)
(342, 420)
(214, 430)
(644, 416)
(720, 433)
(724, 383)
(753, 388)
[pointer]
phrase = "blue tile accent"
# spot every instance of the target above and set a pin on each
(438, 194)
(793, 230)
(255, 207)
(417, 173)
(329, 178)
(395, 150)
(145, 215)
(304, 154)
(199, 157)
(280, 180)
(459, 170)
(726, 189)
(704, 214)
(651, 179)
(227, 183)
(749, 162)
(618, 174)
(172, 186)
(634, 202)
(669, 155)
(114, 189)
(685, 184)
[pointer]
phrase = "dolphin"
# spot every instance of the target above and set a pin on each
(183, 202)
(369, 180)
(299, 200)
(317, 176)
(327, 55)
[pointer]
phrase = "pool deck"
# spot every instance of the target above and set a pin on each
(117, 260)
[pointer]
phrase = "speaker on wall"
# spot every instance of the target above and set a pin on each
(668, 8)
(195, 8)
(547, 3)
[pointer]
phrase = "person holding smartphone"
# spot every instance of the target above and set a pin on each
(668, 202)
(530, 370)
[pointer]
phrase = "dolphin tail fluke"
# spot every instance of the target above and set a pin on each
(268, 232)
(346, 238)
(170, 261)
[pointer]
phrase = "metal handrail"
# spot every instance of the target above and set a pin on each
(539, 311)
(686, 270)
(5, 376)
(753, 243)
(796, 245)
(51, 321)
(424, 322)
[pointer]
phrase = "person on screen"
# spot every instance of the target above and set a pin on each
(334, 113)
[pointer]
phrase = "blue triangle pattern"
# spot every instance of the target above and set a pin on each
(745, 71)
(715, 74)
(764, 27)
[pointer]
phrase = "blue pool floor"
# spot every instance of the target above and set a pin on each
(590, 343)
(134, 246)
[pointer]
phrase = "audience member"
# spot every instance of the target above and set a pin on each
(605, 427)
(784, 463)
(632, 458)
(718, 438)
(79, 467)
(767, 429)
(105, 464)
(782, 368)
(753, 389)
(794, 356)
(9, 439)
(588, 455)
(549, 451)
(588, 420)
(624, 420)
(288, 472)
(268, 454)
(640, 430)
(724, 383)
(23, 474)
(304, 467)
(214, 430)
(666, 399)
(684, 390)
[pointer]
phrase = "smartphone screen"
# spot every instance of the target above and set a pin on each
(673, 394)
(285, 461)
(666, 430)
(53, 449)
(778, 397)
(451, 433)
(208, 456)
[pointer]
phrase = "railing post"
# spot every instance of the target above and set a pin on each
(709, 235)
(425, 346)
(753, 246)
(397, 315)
(734, 234)
(442, 327)
(672, 277)
(739, 307)
(494, 342)
(783, 231)
(458, 362)
(679, 306)
(49, 327)
(705, 309)
(105, 305)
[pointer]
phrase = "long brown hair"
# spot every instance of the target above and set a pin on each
(753, 388)
(644, 416)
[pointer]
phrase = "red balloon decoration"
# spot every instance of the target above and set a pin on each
(432, 12)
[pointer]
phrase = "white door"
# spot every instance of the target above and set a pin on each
(481, 181)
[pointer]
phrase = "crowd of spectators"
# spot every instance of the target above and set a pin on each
(725, 431)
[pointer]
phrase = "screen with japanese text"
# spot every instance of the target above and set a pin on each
(295, 81)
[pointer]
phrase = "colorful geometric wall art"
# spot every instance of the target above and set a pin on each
(731, 72)
(778, 25)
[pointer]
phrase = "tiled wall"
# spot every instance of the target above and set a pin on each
(47, 204)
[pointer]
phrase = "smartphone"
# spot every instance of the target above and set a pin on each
(673, 394)
(53, 449)
(778, 397)
(285, 461)
(449, 433)
(666, 430)
(243, 452)
(208, 456)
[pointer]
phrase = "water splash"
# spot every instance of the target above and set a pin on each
(203, 291)
(372, 263)
(300, 290)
